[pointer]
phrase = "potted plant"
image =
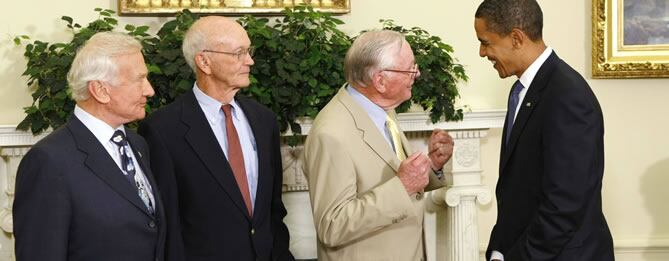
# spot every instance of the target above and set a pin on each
(298, 66)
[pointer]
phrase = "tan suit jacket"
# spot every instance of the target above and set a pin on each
(361, 209)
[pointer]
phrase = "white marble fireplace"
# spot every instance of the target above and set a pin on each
(451, 219)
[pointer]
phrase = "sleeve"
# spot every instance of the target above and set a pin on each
(572, 144)
(437, 180)
(42, 209)
(162, 167)
(341, 215)
(280, 247)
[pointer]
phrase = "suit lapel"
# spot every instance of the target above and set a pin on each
(527, 106)
(203, 141)
(370, 133)
(102, 165)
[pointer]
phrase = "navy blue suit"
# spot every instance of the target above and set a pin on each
(550, 179)
(73, 202)
(207, 217)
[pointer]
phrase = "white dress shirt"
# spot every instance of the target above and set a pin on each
(526, 79)
(216, 119)
(103, 132)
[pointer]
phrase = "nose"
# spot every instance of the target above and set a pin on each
(249, 59)
(148, 89)
(482, 51)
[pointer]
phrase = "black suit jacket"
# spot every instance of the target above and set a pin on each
(73, 202)
(207, 217)
(550, 179)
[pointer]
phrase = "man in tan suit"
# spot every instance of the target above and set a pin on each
(366, 185)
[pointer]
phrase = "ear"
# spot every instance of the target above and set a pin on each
(99, 91)
(203, 63)
(379, 82)
(518, 38)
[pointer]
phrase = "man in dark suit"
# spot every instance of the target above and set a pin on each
(86, 192)
(552, 158)
(217, 158)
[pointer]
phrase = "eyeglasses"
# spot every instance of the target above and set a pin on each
(412, 73)
(241, 54)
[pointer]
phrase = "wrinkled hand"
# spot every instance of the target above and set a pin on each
(413, 172)
(440, 148)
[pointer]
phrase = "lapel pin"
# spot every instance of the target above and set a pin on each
(140, 154)
(529, 104)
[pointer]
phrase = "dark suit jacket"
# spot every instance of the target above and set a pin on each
(73, 202)
(207, 217)
(550, 179)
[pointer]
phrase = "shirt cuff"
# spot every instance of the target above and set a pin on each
(496, 255)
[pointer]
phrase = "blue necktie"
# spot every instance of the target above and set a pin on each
(128, 167)
(513, 103)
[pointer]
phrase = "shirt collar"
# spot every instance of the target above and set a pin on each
(375, 112)
(528, 76)
(211, 106)
(100, 129)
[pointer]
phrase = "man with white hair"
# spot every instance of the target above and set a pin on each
(366, 184)
(216, 156)
(85, 191)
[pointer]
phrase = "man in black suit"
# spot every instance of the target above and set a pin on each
(552, 158)
(216, 156)
(86, 192)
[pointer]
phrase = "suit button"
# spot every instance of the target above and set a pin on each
(499, 202)
(152, 224)
(253, 231)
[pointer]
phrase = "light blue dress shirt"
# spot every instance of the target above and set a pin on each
(375, 112)
(216, 119)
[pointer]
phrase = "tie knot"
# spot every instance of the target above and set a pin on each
(227, 109)
(517, 87)
(118, 138)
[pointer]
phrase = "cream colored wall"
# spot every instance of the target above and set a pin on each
(637, 158)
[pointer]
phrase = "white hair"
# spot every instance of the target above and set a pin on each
(371, 51)
(94, 61)
(195, 41)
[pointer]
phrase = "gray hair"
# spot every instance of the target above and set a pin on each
(94, 61)
(370, 52)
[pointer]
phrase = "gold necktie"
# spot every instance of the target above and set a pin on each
(395, 135)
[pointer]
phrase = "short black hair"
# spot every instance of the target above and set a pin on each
(502, 16)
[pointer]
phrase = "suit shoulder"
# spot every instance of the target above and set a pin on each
(167, 113)
(256, 107)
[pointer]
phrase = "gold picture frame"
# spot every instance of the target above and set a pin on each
(625, 41)
(226, 7)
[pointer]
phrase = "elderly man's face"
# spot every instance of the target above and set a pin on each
(232, 68)
(129, 91)
(400, 77)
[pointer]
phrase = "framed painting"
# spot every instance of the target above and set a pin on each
(630, 38)
(226, 7)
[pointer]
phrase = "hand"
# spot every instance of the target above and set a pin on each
(413, 172)
(440, 148)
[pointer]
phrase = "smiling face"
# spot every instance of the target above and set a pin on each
(130, 89)
(398, 84)
(499, 50)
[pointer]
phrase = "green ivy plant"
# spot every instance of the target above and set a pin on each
(298, 66)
